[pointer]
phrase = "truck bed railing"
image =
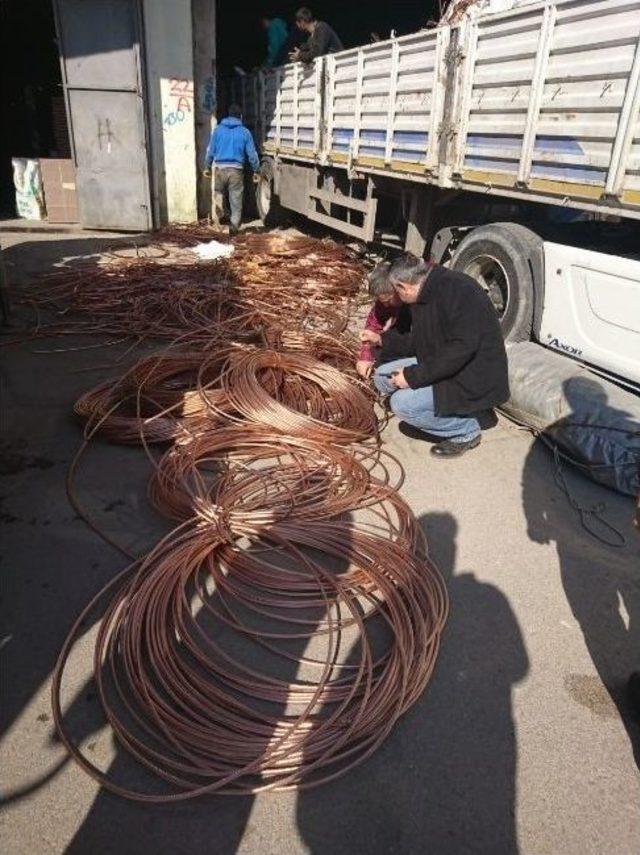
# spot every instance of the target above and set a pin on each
(539, 102)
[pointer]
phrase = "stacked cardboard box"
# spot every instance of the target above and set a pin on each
(59, 182)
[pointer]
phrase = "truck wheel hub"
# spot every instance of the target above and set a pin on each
(492, 278)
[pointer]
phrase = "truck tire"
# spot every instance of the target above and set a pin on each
(268, 204)
(499, 257)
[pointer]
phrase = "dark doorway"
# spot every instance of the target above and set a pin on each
(242, 42)
(34, 121)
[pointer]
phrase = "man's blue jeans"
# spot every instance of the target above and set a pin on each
(415, 406)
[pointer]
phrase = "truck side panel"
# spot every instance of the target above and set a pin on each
(384, 103)
(550, 90)
(291, 110)
(544, 105)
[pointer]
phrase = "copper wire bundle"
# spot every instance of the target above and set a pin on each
(164, 395)
(156, 401)
(297, 395)
(292, 541)
(164, 292)
(326, 348)
(294, 477)
(205, 721)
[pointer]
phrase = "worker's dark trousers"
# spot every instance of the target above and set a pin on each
(230, 183)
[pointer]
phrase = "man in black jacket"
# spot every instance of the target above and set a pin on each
(451, 365)
(322, 38)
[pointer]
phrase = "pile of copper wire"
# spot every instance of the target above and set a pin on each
(205, 719)
(275, 636)
(156, 401)
(164, 292)
(176, 393)
(295, 476)
(142, 298)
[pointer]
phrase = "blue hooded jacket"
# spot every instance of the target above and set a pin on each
(231, 144)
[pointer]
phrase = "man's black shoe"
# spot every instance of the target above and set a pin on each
(633, 692)
(454, 449)
(233, 230)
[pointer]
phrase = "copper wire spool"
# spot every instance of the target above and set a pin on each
(294, 477)
(293, 542)
(297, 395)
(156, 401)
(204, 721)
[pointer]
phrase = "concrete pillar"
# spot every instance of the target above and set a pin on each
(205, 102)
(171, 109)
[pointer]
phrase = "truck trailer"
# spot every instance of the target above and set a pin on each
(506, 145)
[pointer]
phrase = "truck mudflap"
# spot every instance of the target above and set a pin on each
(594, 423)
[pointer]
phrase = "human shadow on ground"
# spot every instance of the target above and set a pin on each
(601, 581)
(444, 781)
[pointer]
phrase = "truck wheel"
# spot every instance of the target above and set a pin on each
(498, 257)
(268, 204)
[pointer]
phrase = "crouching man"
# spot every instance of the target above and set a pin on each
(451, 365)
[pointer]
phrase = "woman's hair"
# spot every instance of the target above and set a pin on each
(378, 283)
(408, 268)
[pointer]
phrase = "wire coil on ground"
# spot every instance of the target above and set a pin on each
(275, 636)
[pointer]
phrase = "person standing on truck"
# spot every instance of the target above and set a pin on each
(231, 146)
(322, 38)
(452, 364)
(277, 34)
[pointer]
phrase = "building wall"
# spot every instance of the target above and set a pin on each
(169, 53)
(205, 102)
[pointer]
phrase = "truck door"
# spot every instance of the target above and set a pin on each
(100, 54)
(592, 308)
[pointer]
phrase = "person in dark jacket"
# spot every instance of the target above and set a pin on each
(230, 147)
(322, 38)
(452, 364)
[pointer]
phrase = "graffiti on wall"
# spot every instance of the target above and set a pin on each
(209, 95)
(182, 92)
(181, 100)
(175, 117)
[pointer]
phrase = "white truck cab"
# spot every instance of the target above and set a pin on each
(591, 309)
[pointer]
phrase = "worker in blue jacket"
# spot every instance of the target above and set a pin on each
(230, 147)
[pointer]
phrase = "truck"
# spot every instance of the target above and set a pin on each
(505, 145)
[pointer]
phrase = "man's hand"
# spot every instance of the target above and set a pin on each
(364, 368)
(371, 337)
(294, 56)
(398, 379)
(207, 172)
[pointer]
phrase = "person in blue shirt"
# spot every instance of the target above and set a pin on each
(230, 147)
(277, 34)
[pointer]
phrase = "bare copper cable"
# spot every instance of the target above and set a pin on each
(189, 714)
(291, 528)
(164, 293)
